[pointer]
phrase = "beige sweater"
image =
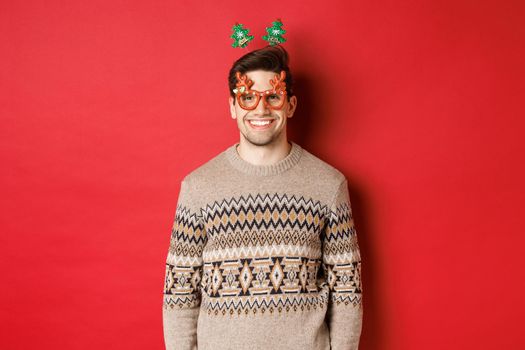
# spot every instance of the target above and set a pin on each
(263, 257)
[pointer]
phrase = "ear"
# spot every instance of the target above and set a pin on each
(292, 105)
(232, 108)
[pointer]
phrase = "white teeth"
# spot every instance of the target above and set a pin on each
(255, 122)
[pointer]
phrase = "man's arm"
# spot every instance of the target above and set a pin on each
(182, 294)
(342, 268)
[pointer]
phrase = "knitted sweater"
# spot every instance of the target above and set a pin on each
(263, 257)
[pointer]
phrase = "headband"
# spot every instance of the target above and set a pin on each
(274, 35)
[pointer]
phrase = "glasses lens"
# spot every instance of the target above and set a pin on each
(275, 100)
(248, 100)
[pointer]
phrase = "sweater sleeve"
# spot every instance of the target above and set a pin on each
(342, 267)
(182, 293)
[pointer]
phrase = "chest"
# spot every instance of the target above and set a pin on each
(263, 226)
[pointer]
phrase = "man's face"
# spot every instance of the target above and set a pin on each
(261, 135)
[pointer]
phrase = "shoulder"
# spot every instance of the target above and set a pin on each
(206, 171)
(331, 180)
(320, 170)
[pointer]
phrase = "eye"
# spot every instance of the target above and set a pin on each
(273, 97)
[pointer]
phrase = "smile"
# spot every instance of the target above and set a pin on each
(261, 124)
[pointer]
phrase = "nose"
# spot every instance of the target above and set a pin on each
(261, 108)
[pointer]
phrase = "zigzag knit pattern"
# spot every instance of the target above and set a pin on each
(263, 253)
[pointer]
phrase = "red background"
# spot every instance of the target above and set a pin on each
(106, 105)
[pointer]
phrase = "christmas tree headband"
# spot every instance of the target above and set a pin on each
(241, 38)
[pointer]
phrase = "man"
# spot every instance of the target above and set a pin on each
(263, 251)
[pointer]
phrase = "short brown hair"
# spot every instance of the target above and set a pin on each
(269, 58)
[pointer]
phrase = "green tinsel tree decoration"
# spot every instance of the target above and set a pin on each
(240, 36)
(275, 33)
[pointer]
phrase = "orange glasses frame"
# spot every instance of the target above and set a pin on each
(244, 85)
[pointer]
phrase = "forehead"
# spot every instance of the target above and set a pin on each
(261, 79)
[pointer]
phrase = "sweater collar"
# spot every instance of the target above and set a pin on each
(264, 170)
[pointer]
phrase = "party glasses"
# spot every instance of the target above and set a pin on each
(249, 99)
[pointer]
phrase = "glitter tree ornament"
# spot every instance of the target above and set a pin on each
(275, 33)
(240, 36)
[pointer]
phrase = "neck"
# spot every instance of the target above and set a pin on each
(264, 155)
